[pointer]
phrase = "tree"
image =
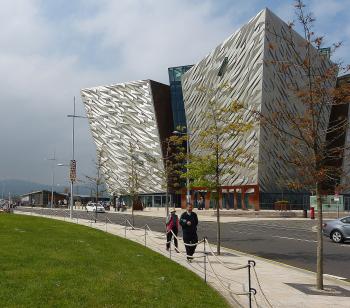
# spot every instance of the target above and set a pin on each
(174, 162)
(301, 128)
(214, 161)
(137, 176)
(97, 181)
(133, 184)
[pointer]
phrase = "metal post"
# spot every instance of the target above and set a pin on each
(71, 200)
(73, 152)
(251, 290)
(53, 159)
(249, 286)
(205, 261)
(338, 209)
(53, 183)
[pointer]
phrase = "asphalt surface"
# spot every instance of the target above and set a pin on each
(287, 241)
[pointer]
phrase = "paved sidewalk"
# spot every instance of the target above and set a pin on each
(283, 286)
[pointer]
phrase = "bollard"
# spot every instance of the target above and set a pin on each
(251, 290)
(312, 212)
(106, 223)
(145, 237)
(125, 229)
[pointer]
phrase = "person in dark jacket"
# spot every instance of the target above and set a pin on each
(189, 222)
(172, 227)
(201, 203)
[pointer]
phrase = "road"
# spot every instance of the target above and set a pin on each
(286, 241)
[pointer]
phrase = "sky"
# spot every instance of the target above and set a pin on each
(49, 50)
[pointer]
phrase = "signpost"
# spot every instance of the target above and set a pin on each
(73, 177)
(73, 170)
(336, 199)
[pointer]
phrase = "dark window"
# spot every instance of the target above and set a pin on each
(177, 103)
(223, 67)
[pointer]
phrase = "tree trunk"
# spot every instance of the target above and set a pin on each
(132, 210)
(319, 280)
(218, 234)
(217, 180)
(166, 201)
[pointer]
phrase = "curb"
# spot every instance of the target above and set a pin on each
(284, 265)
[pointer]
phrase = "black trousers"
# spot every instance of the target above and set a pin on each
(190, 250)
(169, 236)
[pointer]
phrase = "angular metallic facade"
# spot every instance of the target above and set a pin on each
(243, 62)
(130, 115)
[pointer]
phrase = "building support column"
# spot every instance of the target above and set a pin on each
(207, 200)
(235, 199)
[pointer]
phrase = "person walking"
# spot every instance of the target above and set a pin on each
(189, 222)
(172, 228)
(201, 203)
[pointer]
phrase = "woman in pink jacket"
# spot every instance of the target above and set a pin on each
(172, 224)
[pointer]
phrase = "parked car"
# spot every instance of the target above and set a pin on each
(94, 207)
(337, 230)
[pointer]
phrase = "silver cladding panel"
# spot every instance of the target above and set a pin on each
(244, 50)
(254, 83)
(119, 115)
(280, 98)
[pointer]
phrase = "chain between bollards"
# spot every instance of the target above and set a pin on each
(251, 263)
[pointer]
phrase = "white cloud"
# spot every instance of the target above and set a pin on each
(153, 35)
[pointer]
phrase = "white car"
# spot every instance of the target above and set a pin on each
(93, 207)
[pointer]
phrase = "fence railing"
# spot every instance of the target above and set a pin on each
(147, 236)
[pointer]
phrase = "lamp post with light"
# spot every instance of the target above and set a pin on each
(73, 162)
(53, 159)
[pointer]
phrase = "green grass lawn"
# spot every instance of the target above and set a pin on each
(49, 263)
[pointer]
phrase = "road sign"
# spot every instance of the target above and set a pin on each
(73, 170)
(336, 196)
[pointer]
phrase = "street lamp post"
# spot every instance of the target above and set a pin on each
(53, 159)
(72, 176)
(3, 190)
